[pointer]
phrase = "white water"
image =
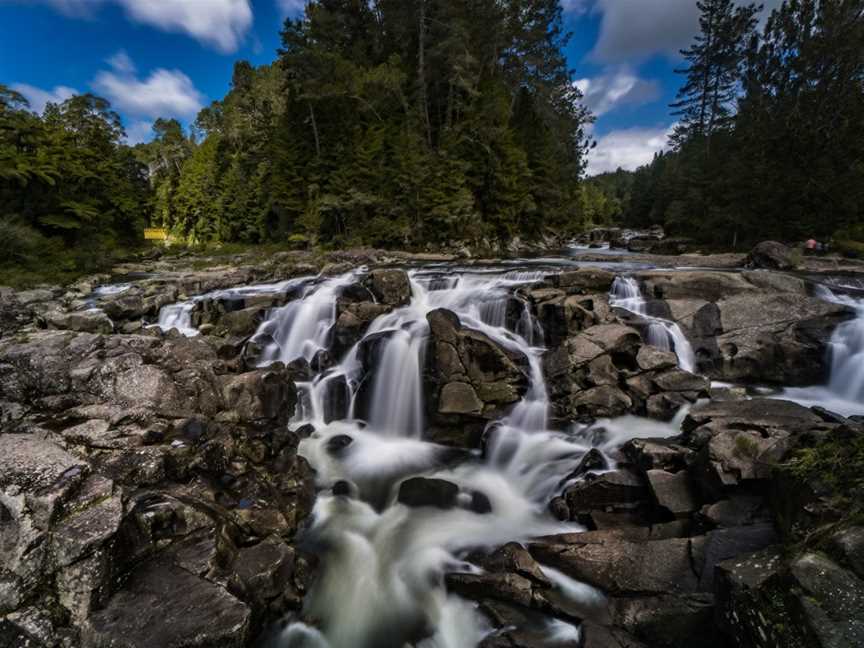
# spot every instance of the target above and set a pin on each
(662, 333)
(179, 315)
(844, 392)
(380, 582)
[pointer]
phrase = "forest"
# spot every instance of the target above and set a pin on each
(434, 123)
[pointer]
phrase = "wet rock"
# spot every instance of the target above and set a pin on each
(468, 375)
(258, 396)
(509, 587)
(422, 491)
(772, 256)
(738, 510)
(164, 605)
(722, 544)
(390, 287)
(600, 636)
(622, 567)
(336, 444)
(459, 398)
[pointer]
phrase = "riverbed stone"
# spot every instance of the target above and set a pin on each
(389, 286)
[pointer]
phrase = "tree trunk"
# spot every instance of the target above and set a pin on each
(421, 70)
(314, 129)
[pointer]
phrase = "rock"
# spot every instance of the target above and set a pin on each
(92, 320)
(581, 373)
(739, 441)
(459, 398)
(423, 491)
(390, 287)
(657, 454)
(848, 547)
(617, 489)
(651, 358)
(781, 338)
(772, 256)
(622, 567)
(722, 544)
(583, 280)
(669, 621)
(706, 285)
(595, 635)
(164, 605)
(831, 601)
(258, 396)
(738, 510)
(672, 491)
(468, 376)
(502, 586)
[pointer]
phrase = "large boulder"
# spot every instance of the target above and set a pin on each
(772, 255)
(389, 286)
(739, 442)
(470, 378)
(778, 337)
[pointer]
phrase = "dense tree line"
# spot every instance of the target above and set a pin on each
(770, 142)
(395, 122)
(69, 187)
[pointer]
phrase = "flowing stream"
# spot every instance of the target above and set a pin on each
(844, 392)
(661, 333)
(381, 579)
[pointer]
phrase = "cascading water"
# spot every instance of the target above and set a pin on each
(847, 353)
(380, 583)
(300, 328)
(662, 334)
(844, 392)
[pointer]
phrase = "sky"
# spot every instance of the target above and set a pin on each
(169, 58)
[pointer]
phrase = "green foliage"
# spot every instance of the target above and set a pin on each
(392, 124)
(789, 163)
(70, 190)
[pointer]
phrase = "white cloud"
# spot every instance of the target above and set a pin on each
(627, 148)
(291, 7)
(634, 29)
(222, 24)
(39, 98)
(165, 93)
(617, 87)
(138, 132)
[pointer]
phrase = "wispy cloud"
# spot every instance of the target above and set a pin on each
(627, 148)
(617, 87)
(221, 24)
(39, 98)
(164, 93)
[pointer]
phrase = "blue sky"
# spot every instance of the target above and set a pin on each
(168, 58)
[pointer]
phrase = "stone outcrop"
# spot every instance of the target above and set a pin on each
(471, 379)
(149, 491)
(389, 286)
(607, 371)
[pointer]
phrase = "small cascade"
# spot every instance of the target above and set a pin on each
(301, 327)
(662, 333)
(847, 352)
(178, 316)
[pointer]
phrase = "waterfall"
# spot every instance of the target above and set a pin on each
(178, 316)
(383, 563)
(300, 328)
(846, 352)
(662, 333)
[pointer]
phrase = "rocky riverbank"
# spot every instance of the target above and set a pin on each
(152, 492)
